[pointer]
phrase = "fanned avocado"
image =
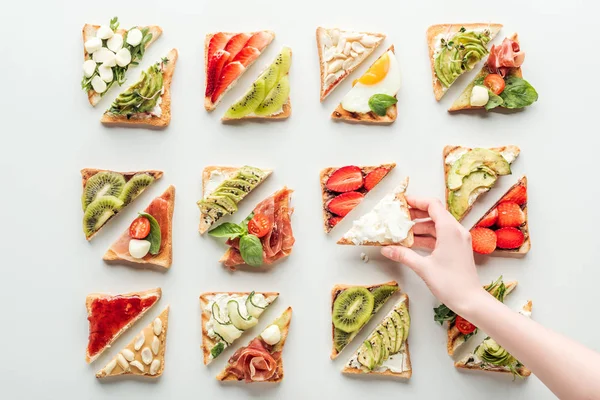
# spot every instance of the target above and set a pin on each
(459, 200)
(223, 201)
(492, 353)
(234, 193)
(142, 96)
(473, 160)
(251, 175)
(212, 210)
(405, 317)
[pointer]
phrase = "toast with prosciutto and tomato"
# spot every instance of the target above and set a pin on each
(149, 238)
(261, 360)
(110, 316)
(227, 56)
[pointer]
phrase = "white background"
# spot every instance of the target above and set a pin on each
(50, 132)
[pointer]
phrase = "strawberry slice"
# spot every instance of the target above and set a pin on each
(230, 73)
(374, 177)
(489, 220)
(247, 55)
(260, 40)
(217, 42)
(213, 73)
(509, 238)
(345, 179)
(518, 195)
(483, 240)
(333, 221)
(236, 44)
(344, 203)
(510, 215)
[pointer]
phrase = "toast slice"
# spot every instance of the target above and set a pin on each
(473, 361)
(384, 235)
(332, 47)
(144, 355)
(381, 294)
(215, 177)
(371, 117)
(274, 370)
(213, 344)
(227, 56)
(452, 154)
(89, 31)
(160, 115)
(117, 190)
(111, 315)
(366, 176)
(161, 208)
(436, 33)
(392, 336)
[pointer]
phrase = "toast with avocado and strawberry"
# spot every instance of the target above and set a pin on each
(344, 188)
(469, 173)
(455, 49)
(227, 56)
(459, 329)
(504, 229)
(491, 357)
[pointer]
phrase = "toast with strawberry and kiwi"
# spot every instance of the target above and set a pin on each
(469, 173)
(145, 354)
(504, 229)
(385, 351)
(372, 99)
(500, 82)
(341, 52)
(227, 56)
(105, 193)
(344, 188)
(261, 360)
(227, 315)
(269, 95)
(455, 49)
(146, 103)
(388, 224)
(491, 357)
(108, 52)
(110, 316)
(223, 188)
(149, 238)
(459, 329)
(352, 307)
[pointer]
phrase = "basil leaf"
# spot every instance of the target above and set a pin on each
(251, 250)
(443, 313)
(217, 349)
(494, 101)
(379, 103)
(518, 93)
(479, 81)
(228, 230)
(154, 237)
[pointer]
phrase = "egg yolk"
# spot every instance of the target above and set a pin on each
(377, 71)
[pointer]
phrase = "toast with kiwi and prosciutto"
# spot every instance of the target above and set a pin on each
(148, 240)
(227, 56)
(343, 188)
(106, 192)
(352, 307)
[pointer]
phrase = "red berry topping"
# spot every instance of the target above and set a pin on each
(489, 220)
(510, 215)
(483, 240)
(228, 75)
(344, 203)
(509, 238)
(236, 44)
(518, 195)
(215, 66)
(333, 221)
(345, 179)
(374, 177)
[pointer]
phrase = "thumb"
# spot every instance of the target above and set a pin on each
(405, 256)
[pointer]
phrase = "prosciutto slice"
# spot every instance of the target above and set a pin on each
(504, 57)
(254, 363)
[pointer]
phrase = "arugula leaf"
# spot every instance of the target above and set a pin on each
(379, 103)
(251, 250)
(518, 93)
(114, 24)
(228, 230)
(217, 349)
(154, 237)
(443, 313)
(494, 101)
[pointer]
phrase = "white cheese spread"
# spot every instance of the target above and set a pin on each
(214, 180)
(455, 155)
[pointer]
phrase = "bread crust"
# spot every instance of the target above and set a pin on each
(434, 30)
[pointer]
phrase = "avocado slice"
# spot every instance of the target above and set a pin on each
(474, 160)
(238, 184)
(405, 316)
(234, 193)
(212, 210)
(492, 353)
(459, 55)
(385, 342)
(251, 175)
(366, 356)
(224, 201)
(399, 326)
(393, 333)
(458, 201)
(376, 344)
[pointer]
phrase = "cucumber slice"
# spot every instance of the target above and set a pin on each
(227, 332)
(236, 317)
(216, 314)
(366, 356)
(253, 309)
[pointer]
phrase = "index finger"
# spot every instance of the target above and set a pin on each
(433, 206)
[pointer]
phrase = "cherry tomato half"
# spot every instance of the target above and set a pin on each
(464, 326)
(495, 83)
(259, 225)
(139, 228)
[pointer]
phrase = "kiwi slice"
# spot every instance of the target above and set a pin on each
(381, 294)
(135, 186)
(99, 212)
(276, 98)
(352, 309)
(340, 339)
(270, 76)
(249, 102)
(104, 183)
(284, 61)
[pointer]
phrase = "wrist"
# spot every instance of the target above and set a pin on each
(471, 303)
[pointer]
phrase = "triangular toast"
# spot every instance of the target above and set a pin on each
(227, 56)
(472, 361)
(330, 219)
(221, 173)
(446, 31)
(283, 325)
(212, 343)
(89, 31)
(158, 119)
(332, 47)
(111, 315)
(452, 154)
(144, 355)
(381, 292)
(355, 236)
(341, 114)
(161, 208)
(398, 355)
(125, 194)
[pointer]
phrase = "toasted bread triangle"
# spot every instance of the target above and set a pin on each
(283, 322)
(119, 249)
(130, 360)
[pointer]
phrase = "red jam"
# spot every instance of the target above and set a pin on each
(110, 314)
